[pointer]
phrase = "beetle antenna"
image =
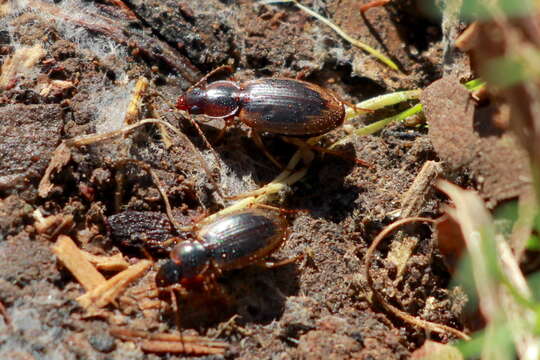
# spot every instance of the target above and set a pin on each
(207, 144)
(204, 79)
(157, 182)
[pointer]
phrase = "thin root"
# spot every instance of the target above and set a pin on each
(206, 143)
(96, 138)
(414, 321)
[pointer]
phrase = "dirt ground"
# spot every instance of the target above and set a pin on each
(78, 78)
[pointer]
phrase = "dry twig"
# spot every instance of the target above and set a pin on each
(170, 343)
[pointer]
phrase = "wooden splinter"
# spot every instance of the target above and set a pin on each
(100, 292)
(171, 343)
(77, 263)
(106, 293)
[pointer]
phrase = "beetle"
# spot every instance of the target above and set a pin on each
(232, 241)
(281, 106)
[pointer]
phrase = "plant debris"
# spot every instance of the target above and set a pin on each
(467, 136)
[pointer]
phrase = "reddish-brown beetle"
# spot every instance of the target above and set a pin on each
(230, 242)
(276, 105)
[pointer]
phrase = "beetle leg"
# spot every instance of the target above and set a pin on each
(305, 146)
(229, 121)
(258, 141)
(372, 4)
(272, 264)
(342, 155)
(176, 301)
(358, 110)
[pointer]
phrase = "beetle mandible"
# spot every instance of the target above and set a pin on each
(276, 105)
(232, 241)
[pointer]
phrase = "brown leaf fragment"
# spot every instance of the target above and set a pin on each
(449, 110)
(464, 135)
(450, 241)
(60, 158)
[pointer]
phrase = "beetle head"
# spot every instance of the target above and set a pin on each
(193, 101)
(168, 274)
(188, 260)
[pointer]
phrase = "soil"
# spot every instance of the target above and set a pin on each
(90, 55)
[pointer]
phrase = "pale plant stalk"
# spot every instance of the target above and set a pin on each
(380, 56)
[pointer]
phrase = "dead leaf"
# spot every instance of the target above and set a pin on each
(466, 136)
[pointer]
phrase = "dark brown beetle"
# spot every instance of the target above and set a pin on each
(230, 242)
(275, 105)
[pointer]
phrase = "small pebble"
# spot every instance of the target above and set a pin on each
(102, 342)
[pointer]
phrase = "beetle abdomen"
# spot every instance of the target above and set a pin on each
(241, 238)
(289, 107)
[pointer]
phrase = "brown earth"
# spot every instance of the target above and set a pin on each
(89, 57)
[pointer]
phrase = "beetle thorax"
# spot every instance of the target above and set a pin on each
(218, 100)
(191, 258)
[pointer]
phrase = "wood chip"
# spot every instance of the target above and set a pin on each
(414, 199)
(171, 343)
(107, 263)
(107, 292)
(179, 347)
(19, 63)
(60, 157)
(132, 113)
(77, 263)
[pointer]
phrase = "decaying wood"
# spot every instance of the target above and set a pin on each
(56, 222)
(133, 113)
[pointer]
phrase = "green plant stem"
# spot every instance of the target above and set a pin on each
(381, 101)
(381, 57)
(379, 125)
